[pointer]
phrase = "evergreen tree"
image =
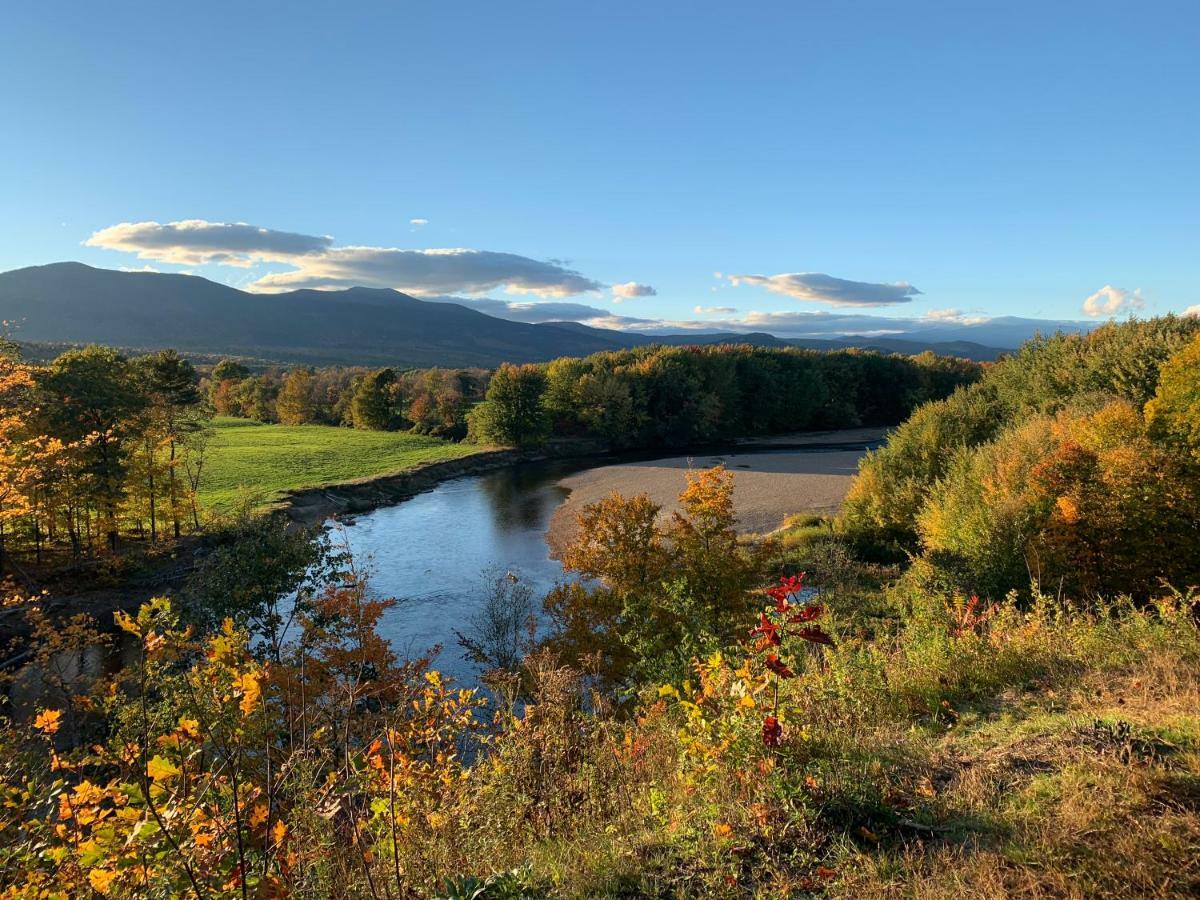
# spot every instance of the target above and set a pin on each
(371, 407)
(93, 399)
(175, 412)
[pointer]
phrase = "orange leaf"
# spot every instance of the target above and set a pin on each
(48, 720)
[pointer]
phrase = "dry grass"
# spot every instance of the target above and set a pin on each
(1092, 793)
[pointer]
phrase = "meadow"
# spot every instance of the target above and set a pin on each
(266, 460)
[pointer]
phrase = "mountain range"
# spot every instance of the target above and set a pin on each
(72, 303)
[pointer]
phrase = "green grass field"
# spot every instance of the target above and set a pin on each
(269, 459)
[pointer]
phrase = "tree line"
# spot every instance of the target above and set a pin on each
(95, 445)
(427, 401)
(675, 396)
(646, 397)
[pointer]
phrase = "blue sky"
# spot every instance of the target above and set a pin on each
(886, 160)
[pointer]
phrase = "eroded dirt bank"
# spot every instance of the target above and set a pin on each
(310, 506)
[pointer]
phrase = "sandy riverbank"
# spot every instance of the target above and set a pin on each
(798, 477)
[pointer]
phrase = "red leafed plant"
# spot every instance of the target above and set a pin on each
(773, 626)
(971, 617)
(772, 732)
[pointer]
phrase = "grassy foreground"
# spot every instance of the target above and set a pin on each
(270, 459)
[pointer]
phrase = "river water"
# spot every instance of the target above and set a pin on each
(431, 553)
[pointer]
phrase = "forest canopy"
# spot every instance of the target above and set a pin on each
(1071, 464)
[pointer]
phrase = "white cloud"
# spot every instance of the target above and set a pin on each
(195, 242)
(956, 316)
(139, 269)
(630, 290)
(527, 311)
(435, 271)
(783, 323)
(1113, 301)
(820, 288)
(1192, 312)
(317, 263)
(418, 222)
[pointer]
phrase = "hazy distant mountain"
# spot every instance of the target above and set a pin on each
(74, 303)
(909, 345)
(71, 302)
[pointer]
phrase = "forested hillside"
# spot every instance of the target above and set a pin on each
(1071, 464)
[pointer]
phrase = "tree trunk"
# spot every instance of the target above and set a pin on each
(174, 492)
(153, 516)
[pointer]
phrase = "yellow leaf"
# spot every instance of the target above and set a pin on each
(722, 830)
(258, 815)
(160, 769)
(102, 879)
(251, 690)
(127, 622)
(279, 832)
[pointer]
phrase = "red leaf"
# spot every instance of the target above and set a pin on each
(777, 666)
(794, 584)
(769, 631)
(772, 732)
(780, 596)
(815, 636)
(806, 615)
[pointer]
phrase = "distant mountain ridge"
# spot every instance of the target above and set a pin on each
(75, 303)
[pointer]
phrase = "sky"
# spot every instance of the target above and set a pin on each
(799, 167)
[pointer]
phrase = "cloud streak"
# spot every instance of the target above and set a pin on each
(195, 242)
(532, 312)
(421, 272)
(955, 316)
(786, 323)
(631, 290)
(817, 287)
(316, 263)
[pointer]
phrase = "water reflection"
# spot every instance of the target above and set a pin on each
(430, 552)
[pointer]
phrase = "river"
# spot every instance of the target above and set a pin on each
(430, 552)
